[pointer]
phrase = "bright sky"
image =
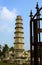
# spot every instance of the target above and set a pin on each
(9, 9)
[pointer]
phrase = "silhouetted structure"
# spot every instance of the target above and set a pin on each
(35, 35)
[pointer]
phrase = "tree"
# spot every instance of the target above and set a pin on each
(5, 49)
(0, 46)
(11, 49)
(1, 51)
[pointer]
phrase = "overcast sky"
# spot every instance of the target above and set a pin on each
(9, 9)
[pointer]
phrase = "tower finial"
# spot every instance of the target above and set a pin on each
(31, 13)
(37, 6)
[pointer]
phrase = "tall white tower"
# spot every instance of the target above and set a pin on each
(19, 39)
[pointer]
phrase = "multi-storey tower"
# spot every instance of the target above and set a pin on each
(19, 39)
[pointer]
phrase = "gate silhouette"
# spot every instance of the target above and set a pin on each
(35, 37)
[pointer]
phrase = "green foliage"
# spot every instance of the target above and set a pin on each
(2, 63)
(0, 51)
(5, 48)
(24, 64)
(11, 49)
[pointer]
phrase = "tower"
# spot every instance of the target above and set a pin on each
(19, 39)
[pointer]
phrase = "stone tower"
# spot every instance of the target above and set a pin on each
(19, 39)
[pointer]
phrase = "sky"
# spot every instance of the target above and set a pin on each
(9, 9)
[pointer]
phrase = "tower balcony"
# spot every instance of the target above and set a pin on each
(20, 40)
(18, 27)
(18, 50)
(18, 37)
(18, 43)
(18, 32)
(19, 23)
(19, 47)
